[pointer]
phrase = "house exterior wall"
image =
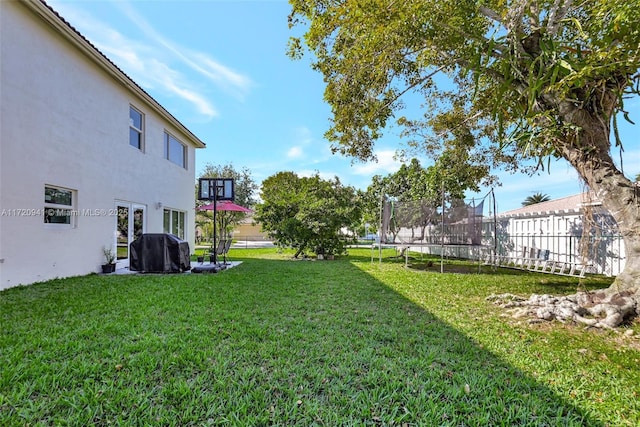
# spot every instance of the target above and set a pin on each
(249, 230)
(64, 121)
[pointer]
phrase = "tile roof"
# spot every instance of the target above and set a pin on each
(563, 205)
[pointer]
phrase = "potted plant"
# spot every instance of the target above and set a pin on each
(201, 257)
(109, 256)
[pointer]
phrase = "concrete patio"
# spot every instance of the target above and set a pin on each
(245, 244)
(228, 264)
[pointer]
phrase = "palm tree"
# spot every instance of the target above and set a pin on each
(536, 198)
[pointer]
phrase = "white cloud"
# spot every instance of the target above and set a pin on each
(303, 135)
(202, 105)
(295, 153)
(386, 164)
(220, 74)
(307, 173)
(305, 146)
(200, 62)
(155, 62)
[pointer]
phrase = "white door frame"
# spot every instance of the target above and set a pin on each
(131, 229)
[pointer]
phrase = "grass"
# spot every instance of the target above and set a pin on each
(281, 342)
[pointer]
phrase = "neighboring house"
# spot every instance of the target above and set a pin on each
(246, 230)
(551, 230)
(554, 228)
(88, 159)
(250, 230)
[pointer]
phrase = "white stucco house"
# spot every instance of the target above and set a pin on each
(88, 159)
(548, 231)
(553, 230)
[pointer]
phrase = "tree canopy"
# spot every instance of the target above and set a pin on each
(535, 199)
(450, 173)
(505, 81)
(517, 70)
(244, 192)
(244, 185)
(308, 213)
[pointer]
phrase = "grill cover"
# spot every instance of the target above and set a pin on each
(159, 253)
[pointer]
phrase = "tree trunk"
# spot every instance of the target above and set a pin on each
(621, 301)
(588, 153)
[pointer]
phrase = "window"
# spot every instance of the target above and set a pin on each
(174, 222)
(175, 151)
(135, 128)
(59, 206)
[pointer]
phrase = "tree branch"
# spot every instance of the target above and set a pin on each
(513, 25)
(413, 85)
(558, 11)
(490, 13)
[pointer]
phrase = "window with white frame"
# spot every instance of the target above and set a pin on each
(174, 222)
(175, 151)
(136, 124)
(59, 206)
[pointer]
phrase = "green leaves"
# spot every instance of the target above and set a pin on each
(535, 198)
(308, 213)
(516, 68)
(501, 82)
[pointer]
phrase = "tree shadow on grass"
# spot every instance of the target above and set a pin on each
(557, 284)
(270, 342)
(357, 352)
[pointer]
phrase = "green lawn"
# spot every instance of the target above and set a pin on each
(281, 342)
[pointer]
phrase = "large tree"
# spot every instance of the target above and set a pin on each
(308, 213)
(526, 79)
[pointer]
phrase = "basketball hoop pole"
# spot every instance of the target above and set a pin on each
(218, 192)
(214, 244)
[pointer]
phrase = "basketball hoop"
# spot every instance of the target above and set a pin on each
(216, 189)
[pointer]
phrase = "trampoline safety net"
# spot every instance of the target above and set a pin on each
(423, 222)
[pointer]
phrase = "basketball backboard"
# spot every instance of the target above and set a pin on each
(215, 189)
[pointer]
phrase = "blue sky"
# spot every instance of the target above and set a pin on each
(221, 68)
